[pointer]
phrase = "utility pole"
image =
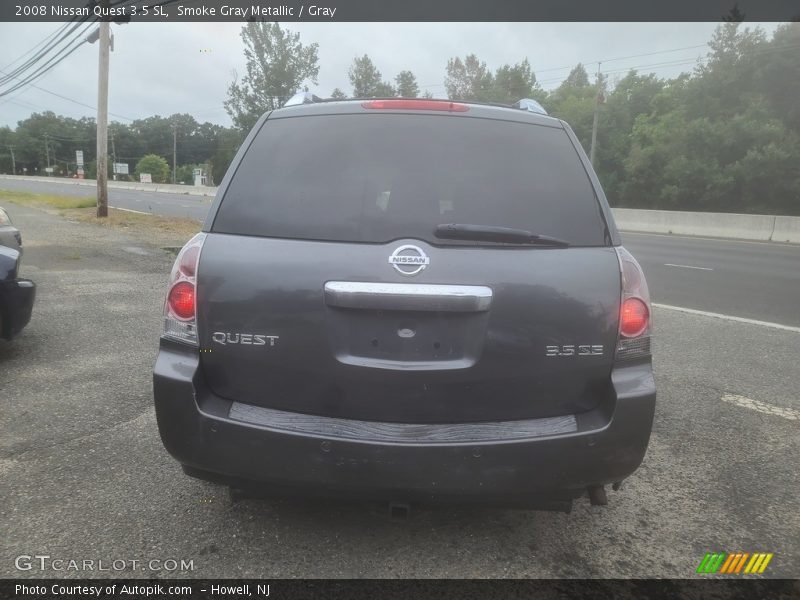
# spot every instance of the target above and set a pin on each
(596, 112)
(113, 156)
(47, 153)
(174, 149)
(102, 120)
(13, 162)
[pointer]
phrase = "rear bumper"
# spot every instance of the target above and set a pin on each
(527, 461)
(16, 306)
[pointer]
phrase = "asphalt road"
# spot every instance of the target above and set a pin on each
(159, 203)
(755, 280)
(83, 474)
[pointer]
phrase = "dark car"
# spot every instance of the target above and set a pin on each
(410, 299)
(16, 295)
(9, 235)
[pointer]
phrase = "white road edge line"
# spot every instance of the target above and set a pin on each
(704, 313)
(711, 239)
(762, 407)
(139, 212)
(688, 267)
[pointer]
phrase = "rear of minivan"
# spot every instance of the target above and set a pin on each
(416, 300)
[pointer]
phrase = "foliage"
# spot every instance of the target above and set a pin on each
(407, 86)
(155, 165)
(278, 65)
(367, 81)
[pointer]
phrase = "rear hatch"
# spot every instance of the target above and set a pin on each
(323, 288)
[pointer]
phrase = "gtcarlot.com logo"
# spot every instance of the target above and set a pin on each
(734, 563)
(44, 562)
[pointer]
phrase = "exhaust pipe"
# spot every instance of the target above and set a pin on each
(597, 495)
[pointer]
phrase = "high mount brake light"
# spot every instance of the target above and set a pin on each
(180, 308)
(634, 315)
(404, 104)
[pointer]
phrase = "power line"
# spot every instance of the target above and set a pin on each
(29, 79)
(23, 55)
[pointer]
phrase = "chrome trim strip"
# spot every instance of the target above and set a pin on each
(408, 296)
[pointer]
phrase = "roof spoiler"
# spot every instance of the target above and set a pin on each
(530, 105)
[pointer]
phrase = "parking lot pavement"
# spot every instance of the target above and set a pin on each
(83, 474)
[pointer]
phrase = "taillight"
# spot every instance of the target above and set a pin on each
(634, 316)
(411, 104)
(180, 308)
(181, 300)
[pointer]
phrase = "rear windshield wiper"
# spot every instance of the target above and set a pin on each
(489, 233)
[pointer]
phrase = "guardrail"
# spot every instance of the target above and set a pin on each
(704, 224)
(723, 225)
(166, 188)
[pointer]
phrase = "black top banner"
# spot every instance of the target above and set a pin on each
(398, 10)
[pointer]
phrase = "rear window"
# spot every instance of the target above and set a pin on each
(381, 177)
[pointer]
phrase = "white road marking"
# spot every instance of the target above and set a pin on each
(139, 212)
(711, 239)
(688, 267)
(762, 407)
(704, 313)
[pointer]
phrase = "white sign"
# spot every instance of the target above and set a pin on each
(145, 178)
(48, 169)
(121, 168)
(79, 158)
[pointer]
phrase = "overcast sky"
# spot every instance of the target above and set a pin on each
(186, 67)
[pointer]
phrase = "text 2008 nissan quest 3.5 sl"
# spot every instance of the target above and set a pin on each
(412, 300)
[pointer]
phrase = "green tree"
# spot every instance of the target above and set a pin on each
(338, 94)
(227, 144)
(514, 82)
(278, 65)
(155, 165)
(468, 79)
(407, 86)
(367, 81)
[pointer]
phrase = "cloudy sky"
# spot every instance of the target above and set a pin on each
(186, 67)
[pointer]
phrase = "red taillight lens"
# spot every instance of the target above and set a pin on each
(405, 104)
(181, 300)
(633, 317)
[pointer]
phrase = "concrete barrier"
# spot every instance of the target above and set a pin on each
(724, 225)
(787, 229)
(166, 188)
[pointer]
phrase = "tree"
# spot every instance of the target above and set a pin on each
(155, 165)
(406, 85)
(468, 79)
(278, 65)
(367, 81)
(226, 146)
(512, 83)
(338, 94)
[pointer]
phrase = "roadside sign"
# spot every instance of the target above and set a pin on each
(48, 169)
(120, 168)
(79, 159)
(145, 178)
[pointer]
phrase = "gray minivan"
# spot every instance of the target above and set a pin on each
(413, 300)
